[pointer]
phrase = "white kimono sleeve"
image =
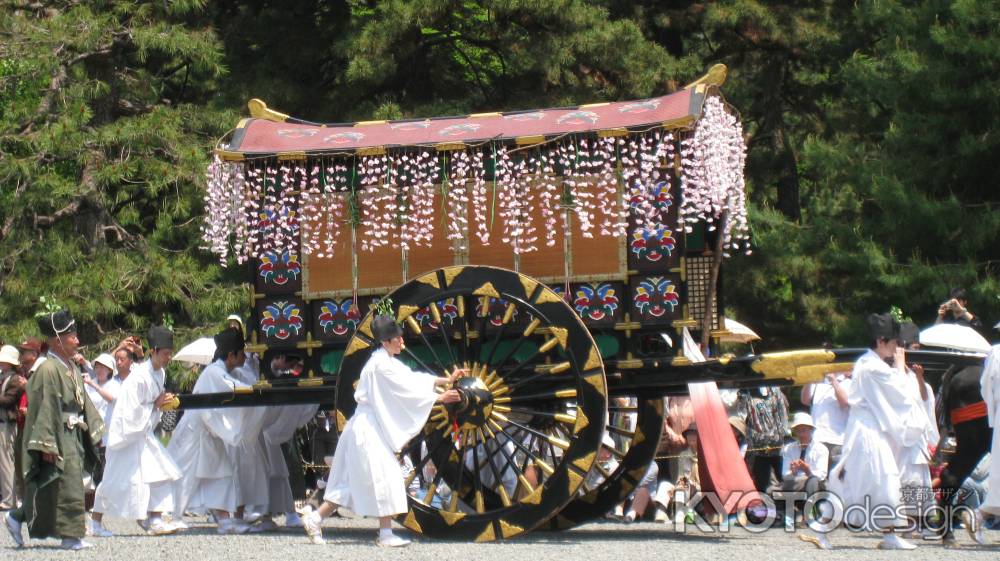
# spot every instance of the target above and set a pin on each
(898, 415)
(228, 424)
(401, 398)
(134, 415)
(990, 387)
(280, 425)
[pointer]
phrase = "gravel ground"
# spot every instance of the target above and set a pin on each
(353, 539)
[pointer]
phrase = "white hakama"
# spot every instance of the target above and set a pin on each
(393, 405)
(883, 418)
(139, 476)
(280, 424)
(990, 383)
(249, 457)
(914, 461)
(200, 445)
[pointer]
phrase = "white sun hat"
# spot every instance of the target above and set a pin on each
(802, 418)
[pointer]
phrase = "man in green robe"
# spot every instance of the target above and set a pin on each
(60, 433)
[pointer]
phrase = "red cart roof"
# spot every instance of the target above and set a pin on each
(269, 132)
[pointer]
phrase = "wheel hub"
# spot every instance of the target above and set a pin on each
(476, 404)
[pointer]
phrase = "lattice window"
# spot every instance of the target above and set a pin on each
(699, 276)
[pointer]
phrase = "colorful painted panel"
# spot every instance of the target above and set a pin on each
(282, 321)
(654, 245)
(335, 319)
(655, 299)
(278, 272)
(598, 303)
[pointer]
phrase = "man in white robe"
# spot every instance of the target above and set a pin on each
(990, 383)
(249, 456)
(200, 441)
(280, 424)
(883, 418)
(139, 476)
(393, 405)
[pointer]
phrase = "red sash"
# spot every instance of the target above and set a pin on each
(968, 413)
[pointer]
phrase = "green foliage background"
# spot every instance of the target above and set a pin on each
(872, 127)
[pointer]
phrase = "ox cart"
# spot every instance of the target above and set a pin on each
(559, 255)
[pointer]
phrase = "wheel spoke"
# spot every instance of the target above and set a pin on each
(497, 474)
(621, 431)
(567, 393)
(463, 327)
(561, 417)
(430, 454)
(536, 375)
(443, 331)
(522, 480)
(541, 463)
(416, 359)
(484, 320)
(524, 337)
(415, 327)
(507, 317)
(480, 508)
(433, 487)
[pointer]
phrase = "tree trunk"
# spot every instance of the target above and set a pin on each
(788, 175)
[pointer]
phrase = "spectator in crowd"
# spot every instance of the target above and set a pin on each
(605, 460)
(102, 388)
(766, 412)
(140, 473)
(32, 356)
(62, 431)
(393, 405)
(828, 405)
(955, 310)
(739, 427)
(127, 353)
(643, 494)
(686, 486)
(804, 467)
(804, 462)
(11, 388)
(30, 351)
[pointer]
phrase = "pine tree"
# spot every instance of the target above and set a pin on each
(104, 136)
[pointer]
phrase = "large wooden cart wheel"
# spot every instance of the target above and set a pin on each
(533, 411)
(634, 429)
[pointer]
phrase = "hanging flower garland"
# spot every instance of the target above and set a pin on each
(712, 159)
(456, 198)
(600, 185)
(377, 200)
(224, 210)
(614, 216)
(545, 187)
(336, 183)
(514, 206)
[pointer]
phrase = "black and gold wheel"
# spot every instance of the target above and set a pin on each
(524, 438)
(633, 428)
